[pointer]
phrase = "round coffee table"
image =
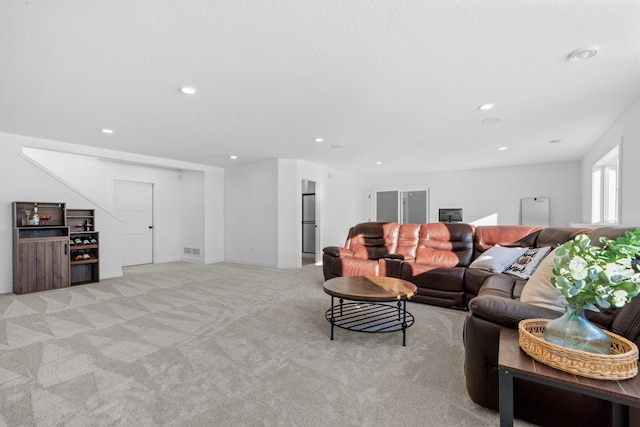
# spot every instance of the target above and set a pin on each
(368, 313)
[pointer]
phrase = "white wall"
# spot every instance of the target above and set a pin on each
(342, 200)
(289, 216)
(183, 198)
(24, 181)
(263, 210)
(94, 177)
(192, 215)
(251, 213)
(214, 235)
(496, 193)
(86, 181)
(627, 130)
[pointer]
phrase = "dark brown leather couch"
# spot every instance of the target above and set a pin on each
(435, 257)
(498, 306)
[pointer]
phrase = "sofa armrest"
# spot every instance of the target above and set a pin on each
(391, 265)
(332, 259)
(337, 252)
(507, 312)
(332, 250)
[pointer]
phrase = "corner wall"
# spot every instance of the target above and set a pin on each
(263, 203)
(251, 213)
(342, 199)
(289, 218)
(627, 130)
(192, 238)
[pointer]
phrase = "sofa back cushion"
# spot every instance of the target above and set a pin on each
(555, 236)
(373, 240)
(612, 233)
(445, 244)
(347, 243)
(487, 236)
(408, 236)
(540, 291)
(390, 233)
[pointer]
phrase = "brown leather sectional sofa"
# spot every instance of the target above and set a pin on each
(435, 257)
(498, 306)
(432, 256)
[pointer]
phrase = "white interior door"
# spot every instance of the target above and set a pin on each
(133, 203)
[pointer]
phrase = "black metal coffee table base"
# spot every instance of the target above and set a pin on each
(370, 317)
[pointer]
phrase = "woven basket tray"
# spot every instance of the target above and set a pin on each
(621, 364)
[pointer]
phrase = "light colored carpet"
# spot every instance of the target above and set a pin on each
(222, 345)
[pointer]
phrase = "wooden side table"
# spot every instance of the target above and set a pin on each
(513, 362)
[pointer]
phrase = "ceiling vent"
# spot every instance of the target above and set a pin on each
(583, 54)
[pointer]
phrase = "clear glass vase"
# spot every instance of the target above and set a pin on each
(573, 330)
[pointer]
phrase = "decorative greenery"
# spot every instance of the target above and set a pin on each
(589, 275)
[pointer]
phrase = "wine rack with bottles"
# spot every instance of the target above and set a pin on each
(84, 243)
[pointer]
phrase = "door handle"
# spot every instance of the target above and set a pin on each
(150, 227)
(65, 248)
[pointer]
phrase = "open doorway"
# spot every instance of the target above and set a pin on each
(309, 225)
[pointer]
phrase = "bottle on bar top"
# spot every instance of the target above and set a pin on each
(36, 217)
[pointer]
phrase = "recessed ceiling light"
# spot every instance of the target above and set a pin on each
(555, 141)
(337, 146)
(109, 131)
(233, 157)
(486, 106)
(502, 148)
(582, 54)
(318, 140)
(378, 163)
(490, 120)
(188, 90)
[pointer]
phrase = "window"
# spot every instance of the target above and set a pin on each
(604, 188)
(405, 207)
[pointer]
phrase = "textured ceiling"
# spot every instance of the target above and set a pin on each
(392, 81)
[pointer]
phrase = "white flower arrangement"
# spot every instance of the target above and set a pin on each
(590, 276)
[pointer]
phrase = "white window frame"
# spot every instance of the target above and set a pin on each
(605, 188)
(401, 191)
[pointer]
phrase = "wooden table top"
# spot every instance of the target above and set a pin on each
(512, 358)
(370, 288)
